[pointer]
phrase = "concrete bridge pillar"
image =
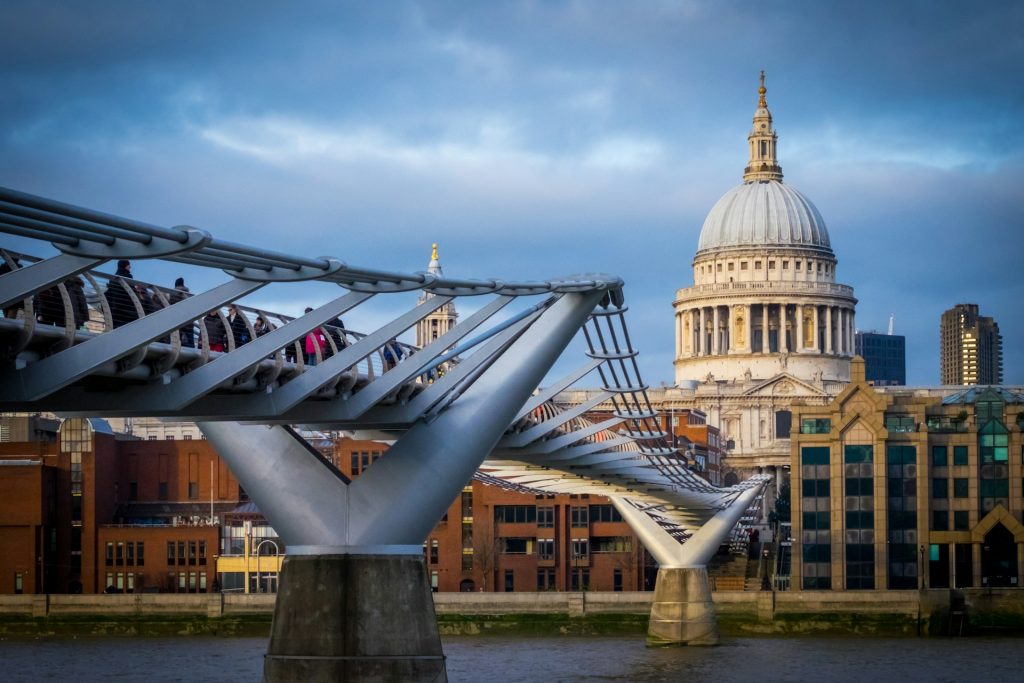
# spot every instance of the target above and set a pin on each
(682, 612)
(354, 618)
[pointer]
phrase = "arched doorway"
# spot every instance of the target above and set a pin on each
(731, 479)
(998, 558)
(467, 586)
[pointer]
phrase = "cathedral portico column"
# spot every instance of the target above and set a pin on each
(853, 331)
(765, 347)
(748, 329)
(799, 328)
(841, 331)
(782, 327)
(828, 329)
(815, 344)
(716, 346)
(703, 338)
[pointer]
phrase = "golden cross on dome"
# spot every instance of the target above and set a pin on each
(762, 103)
(433, 252)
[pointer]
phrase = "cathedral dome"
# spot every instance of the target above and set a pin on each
(763, 213)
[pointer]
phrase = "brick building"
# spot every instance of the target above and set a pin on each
(86, 512)
(494, 539)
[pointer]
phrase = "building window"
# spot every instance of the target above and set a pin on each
(510, 581)
(757, 265)
(940, 487)
(193, 490)
(940, 520)
(771, 265)
(604, 513)
(579, 516)
(545, 548)
(860, 522)
(960, 487)
(129, 554)
(959, 455)
(816, 532)
(515, 514)
(133, 490)
(939, 456)
(435, 551)
(580, 579)
(815, 425)
(783, 423)
(785, 265)
(162, 490)
(580, 548)
(900, 424)
(355, 463)
(19, 583)
(140, 554)
(617, 580)
(546, 579)
(545, 517)
(433, 580)
(902, 518)
(110, 554)
(610, 544)
(202, 552)
(743, 265)
(170, 552)
(961, 520)
(515, 546)
(732, 266)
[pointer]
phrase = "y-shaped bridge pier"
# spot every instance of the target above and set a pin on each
(354, 602)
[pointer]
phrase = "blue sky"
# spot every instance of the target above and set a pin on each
(536, 139)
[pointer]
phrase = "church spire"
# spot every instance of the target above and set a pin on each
(763, 164)
(434, 268)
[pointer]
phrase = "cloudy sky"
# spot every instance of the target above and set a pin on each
(535, 139)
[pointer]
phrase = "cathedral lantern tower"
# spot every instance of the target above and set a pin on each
(440, 321)
(764, 299)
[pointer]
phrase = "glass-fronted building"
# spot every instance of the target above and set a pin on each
(885, 357)
(904, 489)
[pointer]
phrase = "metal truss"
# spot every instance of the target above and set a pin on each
(77, 340)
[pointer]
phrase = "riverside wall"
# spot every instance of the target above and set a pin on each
(912, 613)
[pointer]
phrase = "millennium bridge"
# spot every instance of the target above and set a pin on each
(354, 600)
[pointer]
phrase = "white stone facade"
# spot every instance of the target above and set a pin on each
(765, 322)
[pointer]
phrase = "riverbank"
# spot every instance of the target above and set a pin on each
(879, 613)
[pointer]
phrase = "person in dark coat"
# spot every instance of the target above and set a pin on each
(49, 307)
(187, 333)
(122, 308)
(215, 331)
(239, 330)
(79, 305)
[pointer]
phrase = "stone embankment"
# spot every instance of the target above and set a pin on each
(739, 613)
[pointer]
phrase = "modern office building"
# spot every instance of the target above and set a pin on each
(971, 348)
(885, 357)
(902, 489)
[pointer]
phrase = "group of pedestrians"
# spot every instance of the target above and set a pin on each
(125, 297)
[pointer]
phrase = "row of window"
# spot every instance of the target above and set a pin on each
(186, 552)
(363, 459)
(545, 547)
(126, 554)
(797, 265)
(544, 515)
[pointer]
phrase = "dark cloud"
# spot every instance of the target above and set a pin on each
(536, 139)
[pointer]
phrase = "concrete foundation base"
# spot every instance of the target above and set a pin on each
(354, 618)
(682, 612)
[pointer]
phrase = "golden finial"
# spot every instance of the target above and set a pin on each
(433, 252)
(761, 102)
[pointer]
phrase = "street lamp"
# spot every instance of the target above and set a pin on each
(259, 546)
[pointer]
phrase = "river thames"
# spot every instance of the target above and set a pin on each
(522, 660)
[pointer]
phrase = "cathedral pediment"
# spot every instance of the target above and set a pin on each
(784, 384)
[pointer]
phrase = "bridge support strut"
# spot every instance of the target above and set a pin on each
(354, 601)
(354, 618)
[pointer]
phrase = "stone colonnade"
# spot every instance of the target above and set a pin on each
(754, 328)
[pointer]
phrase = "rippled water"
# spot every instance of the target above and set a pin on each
(514, 660)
